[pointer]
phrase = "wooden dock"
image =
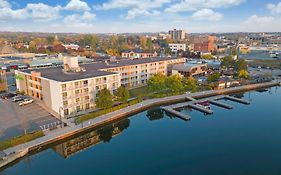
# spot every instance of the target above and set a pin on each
(176, 113)
(237, 100)
(220, 104)
(201, 109)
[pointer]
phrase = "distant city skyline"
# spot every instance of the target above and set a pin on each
(136, 16)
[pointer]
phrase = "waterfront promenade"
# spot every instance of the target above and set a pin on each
(61, 133)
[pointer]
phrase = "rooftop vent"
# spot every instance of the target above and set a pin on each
(70, 64)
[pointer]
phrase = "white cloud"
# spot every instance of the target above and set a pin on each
(254, 19)
(125, 4)
(4, 4)
(80, 20)
(257, 23)
(43, 12)
(77, 5)
(9, 14)
(140, 12)
(275, 9)
(207, 14)
(135, 7)
(193, 5)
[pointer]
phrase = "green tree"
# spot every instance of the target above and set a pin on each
(156, 82)
(207, 56)
(174, 83)
(214, 77)
(243, 74)
(190, 84)
(241, 64)
(104, 99)
(227, 62)
(149, 44)
(122, 94)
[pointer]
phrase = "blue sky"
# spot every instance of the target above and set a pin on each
(117, 16)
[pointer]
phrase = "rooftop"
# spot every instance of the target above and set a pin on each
(92, 69)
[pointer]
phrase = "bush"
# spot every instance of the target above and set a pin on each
(106, 111)
(20, 139)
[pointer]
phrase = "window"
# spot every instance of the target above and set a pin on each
(76, 92)
(65, 103)
(64, 94)
(78, 108)
(63, 87)
(87, 98)
(77, 100)
(66, 112)
(85, 82)
(87, 106)
(86, 90)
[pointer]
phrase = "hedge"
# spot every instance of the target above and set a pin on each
(98, 113)
(20, 139)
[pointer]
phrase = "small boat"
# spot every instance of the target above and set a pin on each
(204, 104)
(274, 54)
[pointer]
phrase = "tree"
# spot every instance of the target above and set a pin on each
(207, 56)
(214, 77)
(227, 62)
(122, 94)
(241, 64)
(104, 99)
(190, 84)
(143, 41)
(243, 74)
(156, 82)
(174, 83)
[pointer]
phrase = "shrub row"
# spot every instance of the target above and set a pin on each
(105, 111)
(20, 139)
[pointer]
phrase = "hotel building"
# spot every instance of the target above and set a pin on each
(73, 88)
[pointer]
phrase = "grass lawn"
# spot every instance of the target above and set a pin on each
(143, 90)
(20, 140)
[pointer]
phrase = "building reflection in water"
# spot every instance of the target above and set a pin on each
(82, 142)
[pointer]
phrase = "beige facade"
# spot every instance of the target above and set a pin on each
(70, 97)
(189, 70)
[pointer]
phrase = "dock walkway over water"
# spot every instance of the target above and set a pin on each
(195, 104)
(62, 133)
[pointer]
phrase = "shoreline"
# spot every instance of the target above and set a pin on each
(17, 152)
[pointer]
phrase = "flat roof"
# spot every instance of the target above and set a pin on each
(92, 69)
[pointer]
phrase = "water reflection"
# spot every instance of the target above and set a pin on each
(104, 134)
(239, 95)
(155, 114)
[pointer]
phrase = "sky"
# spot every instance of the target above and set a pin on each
(134, 16)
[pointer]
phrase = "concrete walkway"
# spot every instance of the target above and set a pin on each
(62, 133)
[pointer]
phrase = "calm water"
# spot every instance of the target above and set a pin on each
(245, 140)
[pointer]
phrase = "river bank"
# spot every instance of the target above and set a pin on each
(70, 131)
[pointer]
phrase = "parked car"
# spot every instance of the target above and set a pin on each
(17, 99)
(8, 95)
(26, 102)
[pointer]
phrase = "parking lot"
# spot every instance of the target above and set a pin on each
(14, 120)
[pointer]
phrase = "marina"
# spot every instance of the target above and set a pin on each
(235, 142)
(202, 105)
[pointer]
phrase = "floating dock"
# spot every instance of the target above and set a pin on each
(237, 100)
(201, 109)
(190, 98)
(220, 104)
(176, 113)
